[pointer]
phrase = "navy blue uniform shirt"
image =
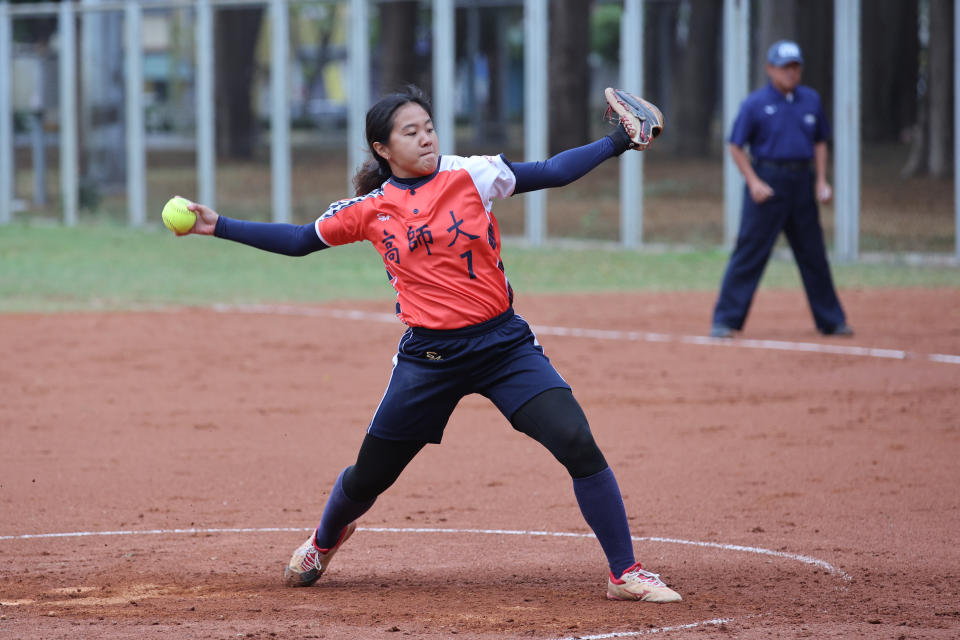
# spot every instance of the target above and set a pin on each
(781, 127)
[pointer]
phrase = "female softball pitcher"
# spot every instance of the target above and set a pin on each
(430, 218)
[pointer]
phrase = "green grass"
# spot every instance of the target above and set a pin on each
(52, 268)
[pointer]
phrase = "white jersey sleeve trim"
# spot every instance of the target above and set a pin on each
(491, 175)
(316, 227)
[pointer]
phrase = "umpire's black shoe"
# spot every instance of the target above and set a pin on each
(842, 329)
(721, 331)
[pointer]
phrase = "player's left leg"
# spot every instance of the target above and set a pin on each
(517, 376)
(554, 419)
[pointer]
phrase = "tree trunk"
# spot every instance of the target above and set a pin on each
(659, 75)
(889, 69)
(810, 24)
(399, 61)
(814, 33)
(497, 51)
(941, 86)
(237, 31)
(569, 82)
(695, 87)
(774, 20)
(918, 141)
(904, 86)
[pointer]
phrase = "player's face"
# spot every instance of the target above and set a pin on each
(412, 149)
(786, 78)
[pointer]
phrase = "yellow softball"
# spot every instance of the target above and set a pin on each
(177, 217)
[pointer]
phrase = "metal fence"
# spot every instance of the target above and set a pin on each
(358, 85)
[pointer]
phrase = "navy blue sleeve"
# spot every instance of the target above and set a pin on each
(567, 166)
(277, 237)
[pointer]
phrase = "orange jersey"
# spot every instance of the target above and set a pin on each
(439, 240)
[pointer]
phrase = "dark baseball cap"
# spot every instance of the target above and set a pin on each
(783, 52)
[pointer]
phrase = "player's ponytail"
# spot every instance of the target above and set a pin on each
(380, 117)
(371, 175)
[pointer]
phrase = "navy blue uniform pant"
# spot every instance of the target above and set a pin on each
(793, 210)
(434, 369)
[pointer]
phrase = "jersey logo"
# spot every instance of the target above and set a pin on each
(769, 109)
(382, 217)
(810, 119)
(433, 355)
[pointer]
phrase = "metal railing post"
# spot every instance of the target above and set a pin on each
(358, 87)
(444, 53)
(69, 143)
(535, 112)
(631, 163)
(736, 79)
(6, 114)
(846, 90)
(279, 111)
(206, 131)
(136, 145)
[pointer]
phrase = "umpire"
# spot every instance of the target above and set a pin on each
(784, 125)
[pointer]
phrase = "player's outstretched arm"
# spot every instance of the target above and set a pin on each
(275, 237)
(569, 165)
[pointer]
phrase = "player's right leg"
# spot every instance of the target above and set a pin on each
(414, 409)
(309, 561)
(378, 466)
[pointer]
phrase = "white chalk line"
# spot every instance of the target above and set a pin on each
(633, 634)
(615, 335)
(808, 560)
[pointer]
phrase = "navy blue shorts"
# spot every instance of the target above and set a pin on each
(499, 359)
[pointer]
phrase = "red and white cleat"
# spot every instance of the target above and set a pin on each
(637, 584)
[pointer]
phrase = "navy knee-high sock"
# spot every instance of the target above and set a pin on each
(602, 507)
(340, 511)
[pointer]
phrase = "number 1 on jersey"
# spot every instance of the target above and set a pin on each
(468, 256)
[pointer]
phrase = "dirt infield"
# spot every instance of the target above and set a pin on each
(784, 491)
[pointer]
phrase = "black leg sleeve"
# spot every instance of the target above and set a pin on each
(555, 420)
(378, 466)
